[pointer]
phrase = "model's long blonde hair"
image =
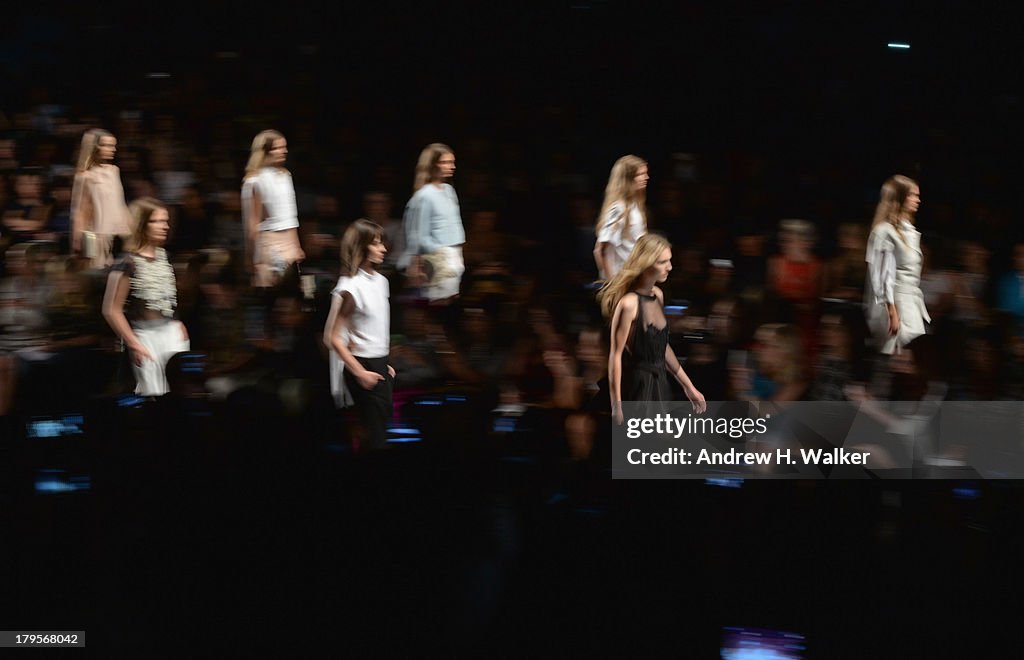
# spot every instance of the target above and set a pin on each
(88, 150)
(426, 166)
(890, 204)
(621, 189)
(644, 255)
(261, 146)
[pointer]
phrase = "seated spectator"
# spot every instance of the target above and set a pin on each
(777, 373)
(24, 326)
(193, 222)
(26, 215)
(796, 276)
(847, 270)
(378, 208)
(838, 356)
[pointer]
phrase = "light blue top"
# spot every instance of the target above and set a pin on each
(432, 221)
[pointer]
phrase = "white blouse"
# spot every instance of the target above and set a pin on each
(369, 328)
(277, 193)
(894, 277)
(368, 334)
(883, 244)
(621, 242)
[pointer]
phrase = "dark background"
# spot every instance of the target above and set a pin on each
(809, 86)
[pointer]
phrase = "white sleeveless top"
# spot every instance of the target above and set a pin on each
(278, 196)
(621, 242)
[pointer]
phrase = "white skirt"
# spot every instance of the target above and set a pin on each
(162, 338)
(449, 267)
(913, 316)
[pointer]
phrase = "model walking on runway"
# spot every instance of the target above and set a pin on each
(358, 331)
(269, 211)
(141, 298)
(98, 209)
(894, 303)
(640, 357)
(434, 233)
(623, 218)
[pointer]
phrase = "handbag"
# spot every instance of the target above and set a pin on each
(437, 266)
(90, 249)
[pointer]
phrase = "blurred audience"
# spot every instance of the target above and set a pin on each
(524, 333)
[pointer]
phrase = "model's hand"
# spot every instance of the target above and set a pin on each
(696, 398)
(391, 371)
(368, 379)
(139, 355)
(617, 413)
(184, 331)
(415, 274)
(894, 322)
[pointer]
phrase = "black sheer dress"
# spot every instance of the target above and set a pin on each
(644, 377)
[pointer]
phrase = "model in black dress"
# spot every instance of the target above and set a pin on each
(644, 377)
(640, 357)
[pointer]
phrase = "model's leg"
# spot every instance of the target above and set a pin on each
(374, 406)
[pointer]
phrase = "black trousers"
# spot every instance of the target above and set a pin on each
(374, 406)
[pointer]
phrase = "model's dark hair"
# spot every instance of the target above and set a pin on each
(356, 242)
